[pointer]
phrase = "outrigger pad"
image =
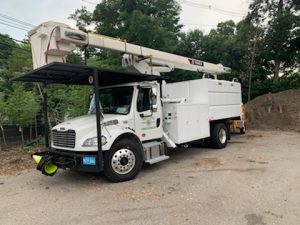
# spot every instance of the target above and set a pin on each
(46, 166)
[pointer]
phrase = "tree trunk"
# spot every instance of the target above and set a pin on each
(30, 132)
(277, 61)
(276, 71)
(251, 63)
(3, 134)
(22, 135)
(35, 127)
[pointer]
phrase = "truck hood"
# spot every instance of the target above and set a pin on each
(87, 122)
(85, 127)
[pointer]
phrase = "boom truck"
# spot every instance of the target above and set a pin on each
(135, 117)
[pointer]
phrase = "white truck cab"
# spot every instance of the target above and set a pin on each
(131, 108)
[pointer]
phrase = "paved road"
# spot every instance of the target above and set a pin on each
(254, 181)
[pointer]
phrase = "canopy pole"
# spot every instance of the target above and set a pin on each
(98, 117)
(45, 109)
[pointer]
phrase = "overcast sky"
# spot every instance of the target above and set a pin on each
(202, 14)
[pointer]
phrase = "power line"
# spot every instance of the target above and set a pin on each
(210, 7)
(13, 23)
(13, 26)
(90, 2)
(213, 8)
(17, 20)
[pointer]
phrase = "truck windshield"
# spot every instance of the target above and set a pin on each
(113, 100)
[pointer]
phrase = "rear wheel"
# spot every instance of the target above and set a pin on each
(219, 135)
(123, 161)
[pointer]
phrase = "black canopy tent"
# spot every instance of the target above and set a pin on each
(66, 73)
(73, 74)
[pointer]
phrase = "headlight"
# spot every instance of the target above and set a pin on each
(91, 142)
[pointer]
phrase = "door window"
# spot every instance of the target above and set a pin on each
(144, 99)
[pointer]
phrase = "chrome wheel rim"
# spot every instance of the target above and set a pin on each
(123, 161)
(222, 136)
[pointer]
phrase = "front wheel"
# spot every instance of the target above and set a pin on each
(219, 136)
(123, 161)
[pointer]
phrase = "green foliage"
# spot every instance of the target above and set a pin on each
(106, 59)
(33, 146)
(281, 21)
(83, 18)
(287, 82)
(27, 150)
(22, 106)
(3, 110)
(75, 58)
(6, 47)
(20, 60)
(190, 44)
(67, 102)
(153, 24)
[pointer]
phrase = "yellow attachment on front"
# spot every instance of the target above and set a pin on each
(37, 158)
(50, 168)
(47, 167)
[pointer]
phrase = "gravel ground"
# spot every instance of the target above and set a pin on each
(254, 181)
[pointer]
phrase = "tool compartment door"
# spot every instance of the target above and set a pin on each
(186, 122)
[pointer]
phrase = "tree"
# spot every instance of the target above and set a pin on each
(219, 42)
(20, 60)
(191, 44)
(6, 47)
(3, 115)
(150, 23)
(281, 20)
(83, 18)
(22, 107)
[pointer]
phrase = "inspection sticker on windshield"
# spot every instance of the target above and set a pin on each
(89, 160)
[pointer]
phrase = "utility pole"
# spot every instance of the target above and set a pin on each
(251, 63)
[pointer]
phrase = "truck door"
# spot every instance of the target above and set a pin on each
(148, 113)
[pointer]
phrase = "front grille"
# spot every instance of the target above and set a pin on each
(64, 138)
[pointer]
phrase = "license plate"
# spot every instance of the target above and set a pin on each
(89, 160)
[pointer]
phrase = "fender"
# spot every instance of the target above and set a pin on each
(116, 134)
(129, 134)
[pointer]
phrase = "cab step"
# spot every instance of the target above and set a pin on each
(157, 159)
(155, 151)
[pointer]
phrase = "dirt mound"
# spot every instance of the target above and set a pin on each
(279, 111)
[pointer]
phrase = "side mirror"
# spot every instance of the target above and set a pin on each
(154, 108)
(153, 99)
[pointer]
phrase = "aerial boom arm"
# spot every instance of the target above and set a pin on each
(52, 41)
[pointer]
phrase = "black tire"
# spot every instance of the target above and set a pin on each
(127, 155)
(219, 136)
